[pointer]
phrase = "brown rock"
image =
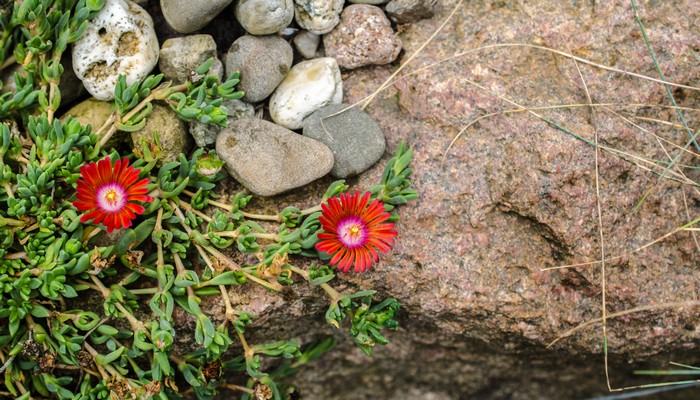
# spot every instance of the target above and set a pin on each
(172, 134)
(363, 37)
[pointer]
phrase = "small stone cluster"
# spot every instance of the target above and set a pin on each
(267, 157)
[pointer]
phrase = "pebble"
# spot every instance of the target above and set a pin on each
(307, 44)
(94, 113)
(309, 86)
(353, 136)
(407, 11)
(182, 55)
(373, 2)
(172, 133)
(268, 159)
(187, 16)
(363, 37)
(264, 17)
(119, 40)
(318, 16)
(205, 134)
(263, 61)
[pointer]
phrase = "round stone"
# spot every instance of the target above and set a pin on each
(119, 40)
(309, 86)
(353, 136)
(264, 17)
(263, 62)
(187, 16)
(318, 16)
(363, 37)
(268, 159)
(180, 56)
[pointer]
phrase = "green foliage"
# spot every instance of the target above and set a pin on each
(119, 340)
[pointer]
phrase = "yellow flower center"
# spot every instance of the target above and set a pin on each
(354, 230)
(111, 195)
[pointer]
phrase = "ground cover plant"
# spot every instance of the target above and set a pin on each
(62, 189)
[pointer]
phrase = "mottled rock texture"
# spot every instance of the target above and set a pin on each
(515, 195)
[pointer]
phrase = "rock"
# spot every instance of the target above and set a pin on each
(187, 16)
(268, 159)
(318, 16)
(119, 40)
(264, 17)
(309, 86)
(363, 37)
(91, 112)
(172, 133)
(180, 56)
(263, 62)
(205, 134)
(307, 44)
(356, 140)
(372, 2)
(407, 11)
(515, 195)
(95, 113)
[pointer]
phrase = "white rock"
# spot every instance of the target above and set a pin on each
(318, 16)
(307, 87)
(264, 17)
(119, 40)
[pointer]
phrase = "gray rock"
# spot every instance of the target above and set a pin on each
(363, 37)
(172, 133)
(309, 86)
(268, 159)
(318, 16)
(372, 2)
(307, 44)
(205, 134)
(119, 40)
(354, 137)
(181, 55)
(187, 16)
(264, 17)
(407, 11)
(263, 62)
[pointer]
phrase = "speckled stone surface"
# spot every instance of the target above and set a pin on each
(362, 37)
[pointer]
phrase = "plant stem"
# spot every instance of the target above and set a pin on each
(248, 352)
(136, 325)
(189, 207)
(231, 386)
(262, 217)
(221, 257)
(334, 294)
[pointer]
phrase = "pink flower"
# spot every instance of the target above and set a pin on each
(109, 193)
(355, 230)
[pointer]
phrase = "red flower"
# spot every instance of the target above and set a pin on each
(354, 231)
(109, 193)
